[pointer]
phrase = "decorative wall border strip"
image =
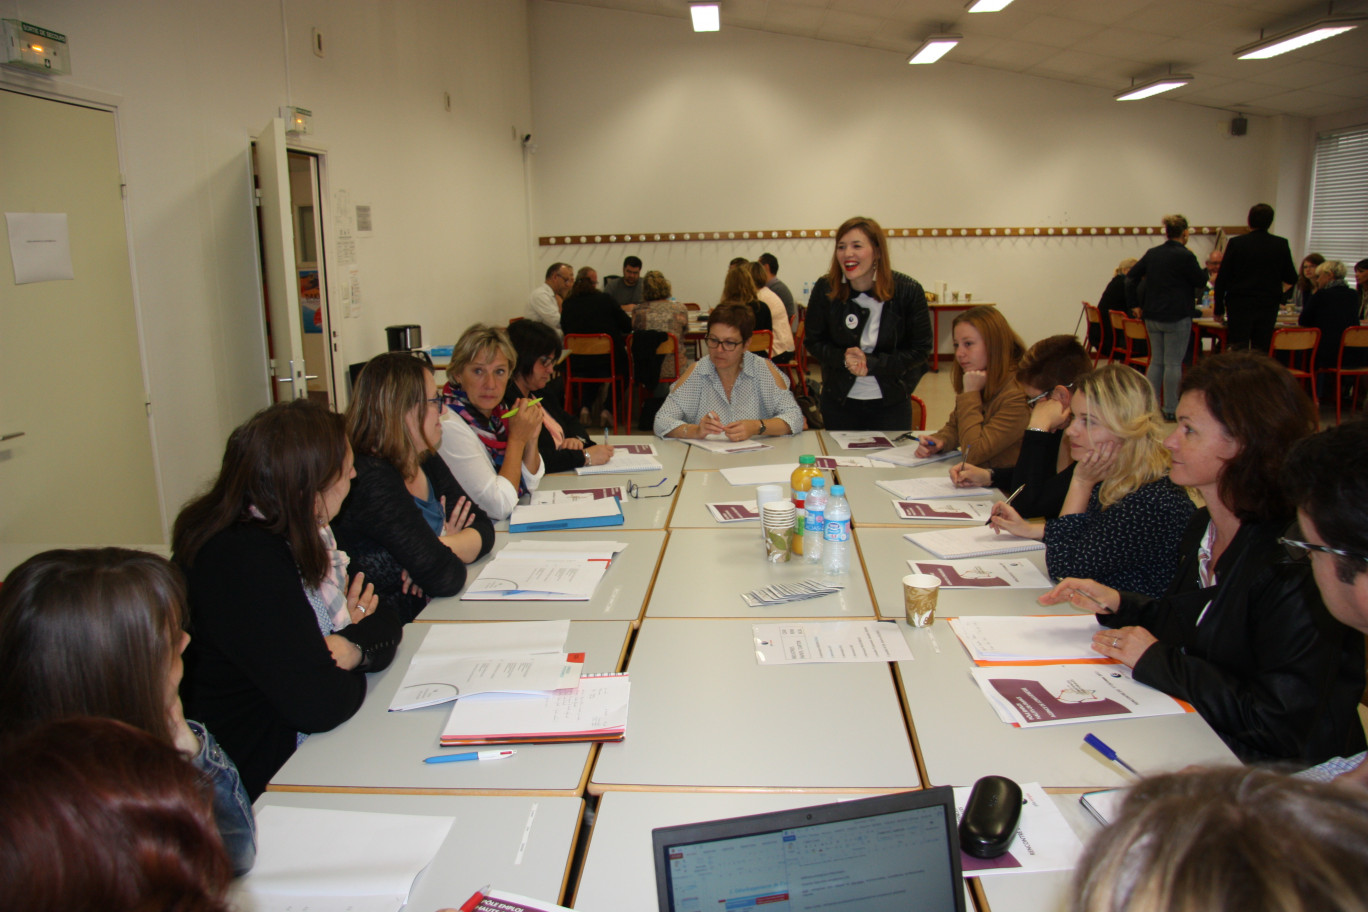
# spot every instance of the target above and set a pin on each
(794, 234)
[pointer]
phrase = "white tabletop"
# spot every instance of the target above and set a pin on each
(961, 738)
(886, 554)
(637, 512)
(871, 505)
(619, 596)
(518, 843)
(705, 571)
(380, 751)
(781, 449)
(705, 715)
(702, 488)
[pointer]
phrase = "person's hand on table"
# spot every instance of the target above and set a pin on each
(1005, 518)
(1125, 644)
(1095, 465)
(1084, 595)
(929, 446)
(345, 654)
(710, 424)
(598, 454)
(975, 381)
(741, 430)
(856, 362)
(361, 599)
(965, 475)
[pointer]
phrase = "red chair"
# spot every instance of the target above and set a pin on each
(1117, 319)
(918, 414)
(1300, 344)
(1093, 340)
(670, 350)
(1136, 336)
(761, 342)
(1355, 338)
(591, 344)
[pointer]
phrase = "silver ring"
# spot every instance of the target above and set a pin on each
(1116, 641)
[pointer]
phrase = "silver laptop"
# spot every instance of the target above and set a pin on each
(889, 853)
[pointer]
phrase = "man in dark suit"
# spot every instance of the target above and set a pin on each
(1254, 277)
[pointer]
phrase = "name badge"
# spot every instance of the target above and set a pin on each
(851, 321)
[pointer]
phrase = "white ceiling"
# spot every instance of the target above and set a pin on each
(1103, 43)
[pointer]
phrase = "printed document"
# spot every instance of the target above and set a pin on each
(1033, 695)
(829, 641)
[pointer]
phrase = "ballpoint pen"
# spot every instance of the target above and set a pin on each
(514, 410)
(469, 755)
(1101, 747)
(1007, 502)
(964, 457)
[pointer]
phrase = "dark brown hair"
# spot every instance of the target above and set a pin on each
(89, 633)
(837, 289)
(390, 387)
(1053, 361)
(99, 815)
(1308, 286)
(738, 316)
(1005, 348)
(278, 462)
(1326, 479)
(1265, 412)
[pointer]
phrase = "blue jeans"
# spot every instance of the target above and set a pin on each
(1168, 344)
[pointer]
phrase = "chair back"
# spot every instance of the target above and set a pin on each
(1118, 320)
(1354, 337)
(1094, 338)
(589, 344)
(918, 413)
(1294, 339)
(761, 341)
(690, 305)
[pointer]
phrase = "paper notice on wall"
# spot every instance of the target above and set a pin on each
(40, 248)
(353, 291)
(346, 248)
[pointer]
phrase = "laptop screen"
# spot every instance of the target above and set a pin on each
(891, 852)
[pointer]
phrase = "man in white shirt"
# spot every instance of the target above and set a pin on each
(544, 305)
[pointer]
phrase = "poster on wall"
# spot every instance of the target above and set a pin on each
(310, 301)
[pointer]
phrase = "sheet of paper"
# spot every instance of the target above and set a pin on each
(428, 683)
(971, 541)
(907, 456)
(500, 901)
(734, 511)
(623, 461)
(929, 488)
(515, 579)
(860, 440)
(843, 462)
(636, 449)
(720, 444)
(1105, 805)
(944, 510)
(1034, 695)
(570, 495)
(588, 509)
(596, 710)
(40, 246)
(1044, 840)
(774, 473)
(338, 860)
(829, 641)
(560, 549)
(984, 573)
(1042, 640)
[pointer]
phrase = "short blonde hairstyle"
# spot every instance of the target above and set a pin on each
(477, 341)
(1125, 265)
(1122, 400)
(1334, 268)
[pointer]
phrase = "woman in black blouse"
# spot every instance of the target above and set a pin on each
(407, 523)
(564, 444)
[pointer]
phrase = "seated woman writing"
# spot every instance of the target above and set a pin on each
(1122, 517)
(282, 636)
(733, 393)
(490, 448)
(407, 523)
(563, 442)
(1048, 374)
(1241, 633)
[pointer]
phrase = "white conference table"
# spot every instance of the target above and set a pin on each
(872, 505)
(380, 751)
(780, 449)
(961, 738)
(702, 488)
(706, 716)
(521, 844)
(886, 554)
(618, 597)
(704, 572)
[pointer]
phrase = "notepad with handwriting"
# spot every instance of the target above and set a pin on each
(971, 541)
(623, 461)
(594, 711)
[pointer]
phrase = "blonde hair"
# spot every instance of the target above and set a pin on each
(1124, 266)
(474, 342)
(1122, 401)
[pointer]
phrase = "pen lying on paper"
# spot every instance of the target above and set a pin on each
(1008, 502)
(514, 410)
(1101, 747)
(469, 755)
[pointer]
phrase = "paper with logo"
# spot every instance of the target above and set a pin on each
(429, 684)
(944, 510)
(1033, 695)
(734, 511)
(570, 495)
(488, 900)
(971, 541)
(636, 449)
(984, 573)
(1042, 640)
(929, 488)
(842, 462)
(445, 645)
(720, 444)
(594, 711)
(623, 461)
(566, 514)
(1044, 840)
(538, 570)
(829, 641)
(860, 440)
(907, 457)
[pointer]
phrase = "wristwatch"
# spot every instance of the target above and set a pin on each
(762, 427)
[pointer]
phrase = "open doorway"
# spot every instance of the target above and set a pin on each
(313, 285)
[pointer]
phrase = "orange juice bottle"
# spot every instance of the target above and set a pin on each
(801, 480)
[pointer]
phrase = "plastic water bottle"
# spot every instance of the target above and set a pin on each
(814, 521)
(836, 538)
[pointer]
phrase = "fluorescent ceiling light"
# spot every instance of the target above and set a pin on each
(1153, 87)
(1298, 38)
(988, 6)
(706, 17)
(934, 48)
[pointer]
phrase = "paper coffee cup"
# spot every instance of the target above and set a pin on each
(919, 598)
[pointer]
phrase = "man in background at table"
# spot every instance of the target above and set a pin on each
(544, 305)
(1254, 277)
(626, 289)
(1328, 481)
(772, 282)
(1213, 269)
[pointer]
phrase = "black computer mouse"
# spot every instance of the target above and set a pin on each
(990, 817)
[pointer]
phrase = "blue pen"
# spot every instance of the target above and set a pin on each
(469, 755)
(1101, 747)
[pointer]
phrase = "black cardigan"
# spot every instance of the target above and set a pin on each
(383, 532)
(900, 353)
(1035, 468)
(257, 671)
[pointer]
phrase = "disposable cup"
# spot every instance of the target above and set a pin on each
(919, 598)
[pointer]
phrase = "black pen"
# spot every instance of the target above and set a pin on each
(1006, 502)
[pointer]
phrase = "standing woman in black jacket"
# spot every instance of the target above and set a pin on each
(407, 524)
(870, 329)
(281, 635)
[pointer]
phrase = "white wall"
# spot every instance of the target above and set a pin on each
(197, 80)
(643, 125)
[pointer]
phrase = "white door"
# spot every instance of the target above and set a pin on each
(278, 264)
(71, 372)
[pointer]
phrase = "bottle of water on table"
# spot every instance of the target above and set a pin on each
(814, 521)
(836, 538)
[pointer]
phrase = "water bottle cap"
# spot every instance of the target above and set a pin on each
(837, 490)
(819, 482)
(807, 460)
(800, 495)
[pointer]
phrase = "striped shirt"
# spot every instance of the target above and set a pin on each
(756, 394)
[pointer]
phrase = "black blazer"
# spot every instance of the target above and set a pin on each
(900, 353)
(1256, 267)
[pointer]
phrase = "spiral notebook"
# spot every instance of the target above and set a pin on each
(971, 541)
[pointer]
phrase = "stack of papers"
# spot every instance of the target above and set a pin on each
(720, 444)
(944, 510)
(907, 456)
(860, 440)
(1049, 640)
(734, 511)
(570, 495)
(788, 592)
(982, 573)
(596, 710)
(929, 488)
(1036, 695)
(543, 571)
(566, 514)
(488, 900)
(972, 541)
(623, 461)
(442, 668)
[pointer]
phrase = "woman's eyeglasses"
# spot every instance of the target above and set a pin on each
(635, 490)
(1300, 550)
(725, 344)
(438, 400)
(547, 362)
